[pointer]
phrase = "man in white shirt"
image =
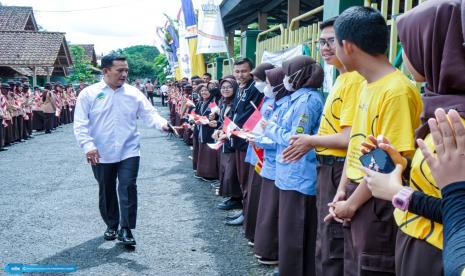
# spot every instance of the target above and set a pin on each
(105, 126)
(164, 93)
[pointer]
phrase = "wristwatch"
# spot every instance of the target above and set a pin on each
(402, 199)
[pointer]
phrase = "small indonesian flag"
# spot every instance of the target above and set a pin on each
(253, 123)
(217, 145)
(214, 107)
(5, 124)
(202, 119)
(185, 125)
(229, 126)
(192, 116)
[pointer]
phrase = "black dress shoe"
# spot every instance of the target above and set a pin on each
(125, 237)
(230, 204)
(237, 222)
(234, 216)
(110, 234)
(3, 149)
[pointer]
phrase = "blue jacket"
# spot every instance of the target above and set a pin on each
(302, 116)
(269, 147)
(266, 109)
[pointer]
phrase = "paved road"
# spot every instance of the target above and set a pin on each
(49, 213)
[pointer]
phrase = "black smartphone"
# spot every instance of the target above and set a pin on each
(378, 160)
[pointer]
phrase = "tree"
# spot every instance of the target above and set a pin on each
(140, 60)
(161, 67)
(81, 69)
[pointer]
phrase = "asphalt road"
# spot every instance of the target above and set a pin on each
(49, 213)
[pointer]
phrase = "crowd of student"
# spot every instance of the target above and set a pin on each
(24, 110)
(307, 204)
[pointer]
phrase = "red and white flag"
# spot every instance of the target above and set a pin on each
(217, 145)
(253, 123)
(229, 126)
(214, 107)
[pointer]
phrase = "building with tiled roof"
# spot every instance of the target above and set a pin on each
(14, 18)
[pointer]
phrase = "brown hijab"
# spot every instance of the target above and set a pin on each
(303, 72)
(275, 77)
(259, 71)
(432, 38)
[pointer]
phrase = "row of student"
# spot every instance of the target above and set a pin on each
(23, 110)
(308, 205)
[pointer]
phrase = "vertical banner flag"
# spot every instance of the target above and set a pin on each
(211, 37)
(197, 63)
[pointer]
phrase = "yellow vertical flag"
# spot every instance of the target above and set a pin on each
(197, 61)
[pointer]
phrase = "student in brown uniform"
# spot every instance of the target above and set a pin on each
(229, 184)
(3, 121)
(331, 147)
(252, 194)
(207, 162)
(48, 107)
(390, 105)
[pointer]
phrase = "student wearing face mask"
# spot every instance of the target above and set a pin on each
(252, 192)
(297, 181)
(266, 231)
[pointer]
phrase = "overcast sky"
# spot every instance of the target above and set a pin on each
(109, 24)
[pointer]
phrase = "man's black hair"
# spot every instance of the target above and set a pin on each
(365, 27)
(107, 61)
(194, 77)
(243, 61)
(208, 74)
(328, 22)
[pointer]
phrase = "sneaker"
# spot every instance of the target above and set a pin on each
(265, 261)
(251, 243)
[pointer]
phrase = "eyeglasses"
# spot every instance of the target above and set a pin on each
(226, 88)
(322, 42)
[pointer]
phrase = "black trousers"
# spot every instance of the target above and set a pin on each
(124, 212)
(48, 121)
(150, 97)
(2, 134)
(162, 99)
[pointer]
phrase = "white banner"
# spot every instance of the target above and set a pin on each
(277, 58)
(211, 37)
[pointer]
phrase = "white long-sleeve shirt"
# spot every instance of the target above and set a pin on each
(106, 120)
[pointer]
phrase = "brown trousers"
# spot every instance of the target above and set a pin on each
(417, 257)
(370, 240)
(266, 231)
(251, 201)
(297, 233)
(330, 237)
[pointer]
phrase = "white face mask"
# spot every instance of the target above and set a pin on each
(260, 86)
(287, 85)
(269, 92)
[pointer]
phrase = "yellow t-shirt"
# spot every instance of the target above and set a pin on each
(340, 108)
(422, 180)
(391, 107)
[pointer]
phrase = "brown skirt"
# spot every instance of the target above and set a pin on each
(370, 241)
(207, 162)
(228, 176)
(187, 136)
(297, 233)
(266, 229)
(242, 169)
(195, 152)
(251, 201)
(417, 257)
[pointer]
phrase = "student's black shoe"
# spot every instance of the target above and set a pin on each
(125, 237)
(48, 132)
(234, 216)
(230, 204)
(236, 222)
(110, 234)
(268, 261)
(3, 149)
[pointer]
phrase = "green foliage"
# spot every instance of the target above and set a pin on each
(140, 61)
(161, 67)
(81, 69)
